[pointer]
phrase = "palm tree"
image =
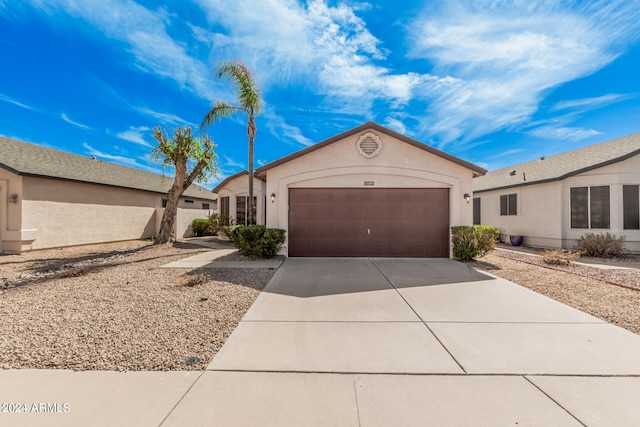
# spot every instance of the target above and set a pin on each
(248, 101)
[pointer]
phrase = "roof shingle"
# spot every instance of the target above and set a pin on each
(560, 166)
(27, 159)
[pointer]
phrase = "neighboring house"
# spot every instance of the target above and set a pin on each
(50, 198)
(554, 200)
(369, 191)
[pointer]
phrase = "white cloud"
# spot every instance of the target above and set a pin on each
(146, 34)
(507, 153)
(165, 118)
(395, 124)
(279, 128)
(591, 103)
(66, 118)
(14, 102)
(126, 161)
(505, 56)
(230, 163)
(136, 135)
(326, 48)
(563, 133)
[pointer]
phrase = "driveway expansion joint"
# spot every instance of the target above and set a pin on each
(418, 315)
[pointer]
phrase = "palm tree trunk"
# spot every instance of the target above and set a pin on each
(251, 131)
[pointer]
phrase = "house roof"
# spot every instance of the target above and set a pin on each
(560, 166)
(27, 159)
(232, 177)
(477, 170)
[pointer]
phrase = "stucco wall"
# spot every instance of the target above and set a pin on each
(53, 213)
(615, 176)
(539, 216)
(10, 213)
(544, 210)
(70, 213)
(240, 187)
(184, 220)
(340, 164)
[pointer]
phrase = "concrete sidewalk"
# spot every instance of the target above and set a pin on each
(368, 342)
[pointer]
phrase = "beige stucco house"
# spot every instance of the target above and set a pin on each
(50, 198)
(554, 200)
(233, 194)
(369, 191)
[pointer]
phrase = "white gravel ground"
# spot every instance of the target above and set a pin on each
(121, 312)
(109, 307)
(578, 286)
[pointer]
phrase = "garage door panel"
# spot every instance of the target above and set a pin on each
(394, 222)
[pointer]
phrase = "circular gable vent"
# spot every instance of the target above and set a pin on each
(369, 144)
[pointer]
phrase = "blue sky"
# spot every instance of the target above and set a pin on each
(493, 82)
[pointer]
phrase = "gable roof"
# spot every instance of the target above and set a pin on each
(25, 159)
(232, 177)
(560, 166)
(477, 170)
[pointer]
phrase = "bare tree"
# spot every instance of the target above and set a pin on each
(194, 159)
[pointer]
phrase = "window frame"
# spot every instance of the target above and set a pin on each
(590, 207)
(579, 207)
(631, 207)
(224, 209)
(241, 215)
(477, 211)
(509, 204)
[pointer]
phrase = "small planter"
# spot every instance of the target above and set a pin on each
(516, 240)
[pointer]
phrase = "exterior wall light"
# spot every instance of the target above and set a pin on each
(13, 198)
(467, 197)
(273, 197)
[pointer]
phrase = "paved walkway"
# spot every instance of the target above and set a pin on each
(368, 342)
(216, 257)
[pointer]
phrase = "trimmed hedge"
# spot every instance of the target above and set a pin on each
(257, 241)
(470, 242)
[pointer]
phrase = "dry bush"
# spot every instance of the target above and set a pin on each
(75, 272)
(559, 256)
(193, 279)
(602, 245)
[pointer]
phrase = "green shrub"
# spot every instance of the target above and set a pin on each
(471, 242)
(603, 245)
(225, 225)
(208, 227)
(257, 241)
(200, 227)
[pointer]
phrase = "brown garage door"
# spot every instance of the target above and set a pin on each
(376, 222)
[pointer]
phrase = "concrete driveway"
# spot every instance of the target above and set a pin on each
(414, 342)
(369, 342)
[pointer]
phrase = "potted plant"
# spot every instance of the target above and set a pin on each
(516, 239)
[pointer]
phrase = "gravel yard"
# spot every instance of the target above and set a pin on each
(109, 307)
(581, 287)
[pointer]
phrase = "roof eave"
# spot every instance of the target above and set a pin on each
(565, 176)
(478, 171)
